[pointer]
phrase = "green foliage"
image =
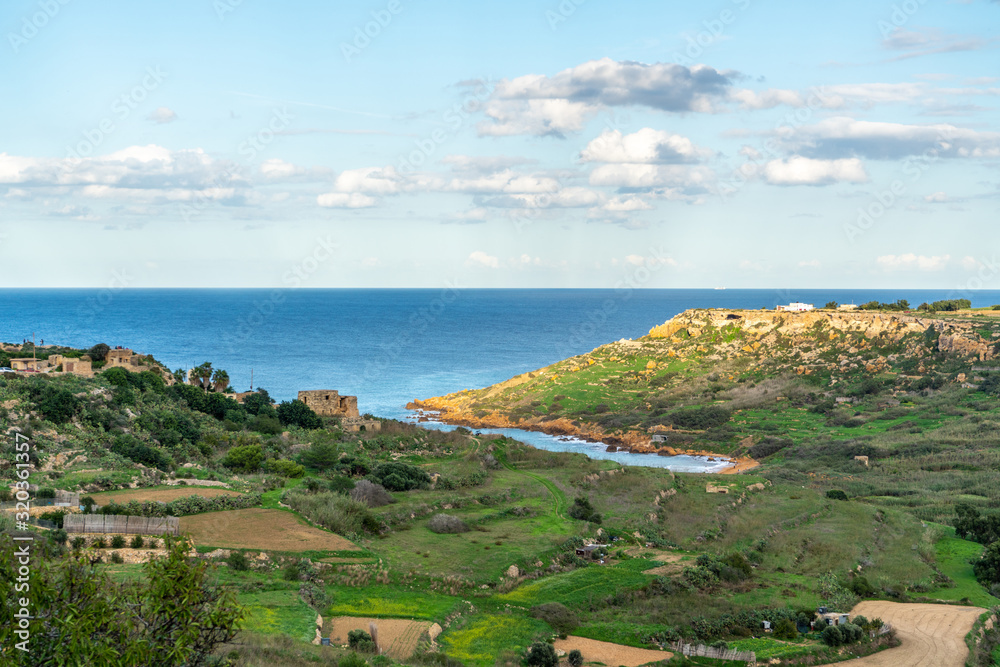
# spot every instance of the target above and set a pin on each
(297, 413)
(320, 456)
(575, 658)
(900, 305)
(258, 402)
(542, 654)
(132, 448)
(247, 459)
(333, 511)
(836, 494)
(446, 524)
(137, 542)
(359, 640)
(785, 629)
(832, 636)
(970, 524)
(285, 468)
(238, 561)
(562, 619)
(706, 417)
(172, 615)
(397, 476)
(99, 352)
(949, 305)
(831, 305)
(584, 511)
(118, 542)
(987, 568)
(193, 504)
(56, 404)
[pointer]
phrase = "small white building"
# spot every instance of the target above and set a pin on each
(796, 307)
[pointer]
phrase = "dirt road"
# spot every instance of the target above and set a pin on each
(932, 635)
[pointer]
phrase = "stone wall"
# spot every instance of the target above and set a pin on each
(329, 403)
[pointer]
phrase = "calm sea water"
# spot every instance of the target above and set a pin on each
(385, 346)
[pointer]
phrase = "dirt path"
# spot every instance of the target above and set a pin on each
(932, 635)
(163, 495)
(611, 654)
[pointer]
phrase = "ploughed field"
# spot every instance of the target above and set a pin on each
(263, 529)
(159, 495)
(932, 635)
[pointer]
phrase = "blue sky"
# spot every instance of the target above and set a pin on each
(228, 143)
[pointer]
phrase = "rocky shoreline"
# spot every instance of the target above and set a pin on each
(439, 409)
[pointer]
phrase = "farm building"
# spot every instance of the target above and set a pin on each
(29, 364)
(591, 551)
(795, 307)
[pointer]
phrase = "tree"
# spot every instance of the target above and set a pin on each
(202, 374)
(99, 352)
(320, 455)
(785, 629)
(987, 568)
(832, 305)
(542, 654)
(247, 458)
(220, 380)
(359, 640)
(832, 636)
(584, 511)
(575, 658)
(173, 615)
(297, 413)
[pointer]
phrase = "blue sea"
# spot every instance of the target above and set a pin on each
(386, 346)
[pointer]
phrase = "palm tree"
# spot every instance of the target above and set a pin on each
(220, 380)
(203, 374)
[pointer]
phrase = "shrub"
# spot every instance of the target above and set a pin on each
(133, 449)
(832, 636)
(56, 404)
(359, 640)
(285, 468)
(297, 413)
(78, 542)
(987, 568)
(851, 633)
(575, 658)
(371, 494)
(706, 417)
(785, 629)
(137, 542)
(334, 511)
(58, 536)
(397, 476)
(320, 455)
(265, 425)
(542, 654)
(584, 511)
(247, 458)
(99, 543)
(445, 523)
(561, 618)
(117, 542)
(859, 586)
(340, 484)
(836, 494)
(291, 571)
(238, 561)
(352, 660)
(117, 558)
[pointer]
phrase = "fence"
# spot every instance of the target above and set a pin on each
(116, 523)
(703, 651)
(63, 501)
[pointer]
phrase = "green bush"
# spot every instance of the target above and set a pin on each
(562, 619)
(285, 468)
(575, 658)
(297, 413)
(832, 636)
(248, 458)
(117, 558)
(542, 654)
(352, 660)
(707, 417)
(584, 511)
(78, 542)
(137, 542)
(836, 494)
(359, 640)
(238, 561)
(320, 455)
(987, 568)
(118, 542)
(397, 476)
(785, 629)
(132, 448)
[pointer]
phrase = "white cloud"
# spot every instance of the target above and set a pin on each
(798, 170)
(626, 204)
(970, 263)
(481, 259)
(843, 135)
(927, 41)
(650, 175)
(647, 146)
(276, 169)
(936, 198)
(370, 180)
(345, 200)
(910, 262)
(810, 264)
(506, 181)
(162, 115)
(539, 104)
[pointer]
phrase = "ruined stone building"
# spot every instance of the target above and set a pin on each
(329, 403)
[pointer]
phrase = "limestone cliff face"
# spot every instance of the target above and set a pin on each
(762, 326)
